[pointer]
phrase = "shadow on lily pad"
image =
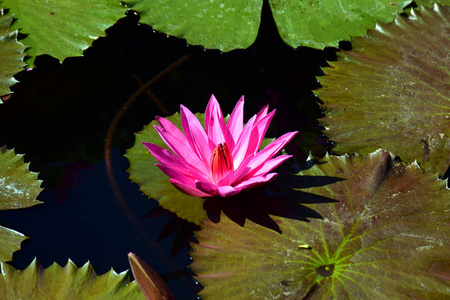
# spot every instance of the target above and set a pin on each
(281, 197)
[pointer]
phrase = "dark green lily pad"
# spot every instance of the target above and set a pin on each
(324, 23)
(11, 55)
(228, 25)
(18, 189)
(62, 28)
(155, 183)
(392, 91)
(69, 282)
(385, 238)
(224, 25)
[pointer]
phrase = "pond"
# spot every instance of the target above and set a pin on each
(60, 115)
(363, 217)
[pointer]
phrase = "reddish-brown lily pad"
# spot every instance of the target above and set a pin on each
(385, 238)
(392, 91)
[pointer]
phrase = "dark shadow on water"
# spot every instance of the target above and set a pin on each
(282, 197)
(183, 229)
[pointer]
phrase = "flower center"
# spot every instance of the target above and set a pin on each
(221, 162)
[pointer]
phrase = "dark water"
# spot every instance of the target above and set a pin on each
(60, 114)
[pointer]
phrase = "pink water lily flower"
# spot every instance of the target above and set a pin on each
(221, 159)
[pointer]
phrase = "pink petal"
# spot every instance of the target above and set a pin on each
(178, 174)
(255, 181)
(259, 131)
(206, 187)
(262, 113)
(214, 123)
(170, 127)
(227, 191)
(271, 164)
(241, 146)
(164, 156)
(167, 158)
(181, 148)
(235, 123)
(227, 179)
(271, 150)
(222, 191)
(187, 189)
(209, 110)
(242, 170)
(196, 135)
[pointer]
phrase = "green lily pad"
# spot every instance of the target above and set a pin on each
(224, 25)
(392, 91)
(18, 186)
(324, 23)
(18, 189)
(69, 282)
(10, 241)
(62, 28)
(11, 55)
(228, 25)
(385, 238)
(155, 183)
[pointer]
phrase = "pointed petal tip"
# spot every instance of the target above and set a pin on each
(158, 118)
(148, 145)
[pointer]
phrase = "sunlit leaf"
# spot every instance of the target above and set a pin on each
(69, 282)
(11, 55)
(18, 186)
(324, 23)
(228, 25)
(385, 238)
(392, 91)
(155, 183)
(18, 189)
(151, 285)
(10, 241)
(62, 28)
(224, 25)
